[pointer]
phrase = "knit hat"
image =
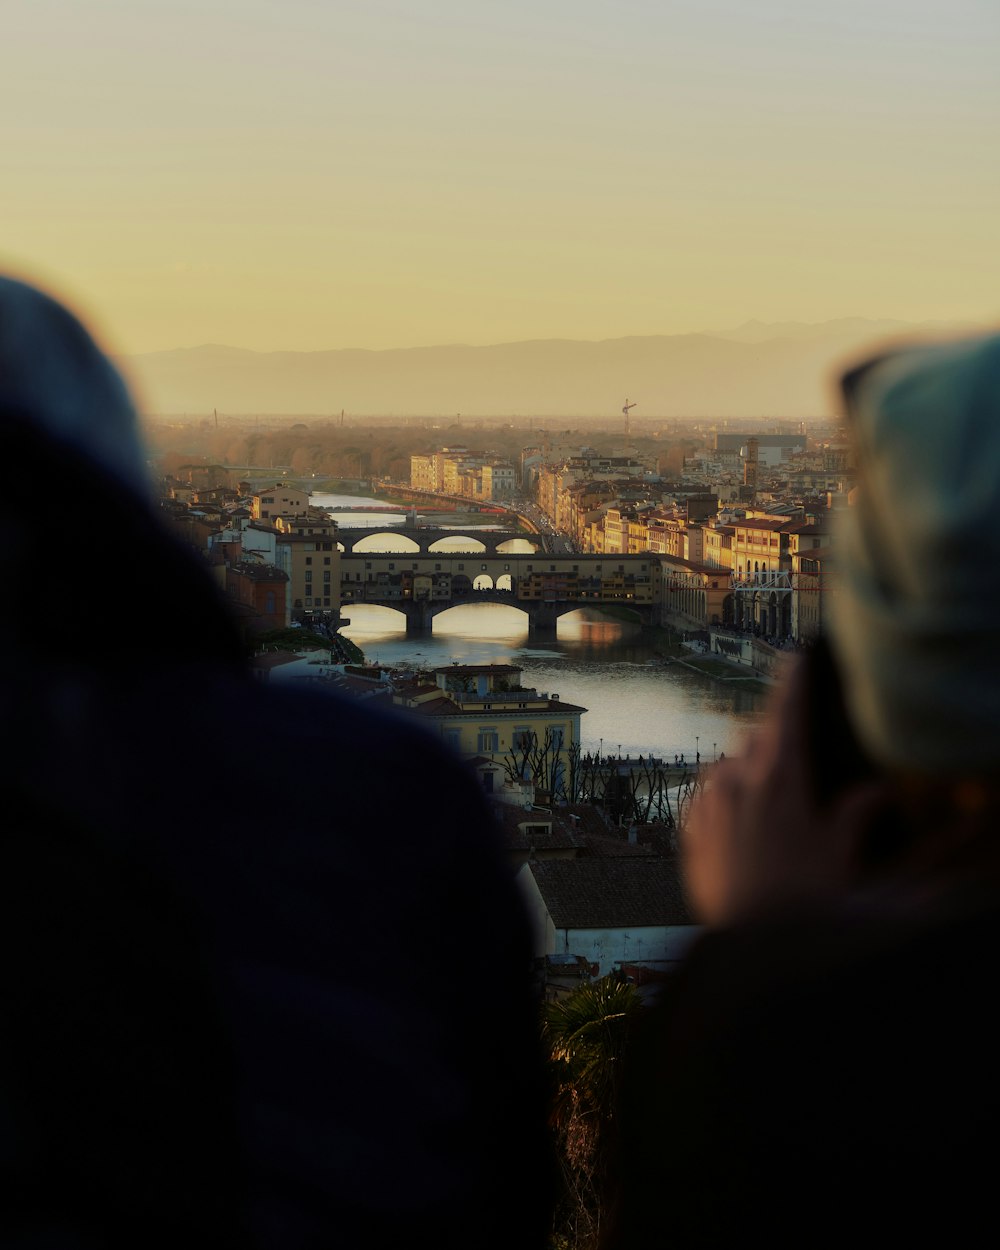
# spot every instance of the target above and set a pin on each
(916, 620)
(53, 375)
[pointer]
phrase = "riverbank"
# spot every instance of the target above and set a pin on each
(671, 649)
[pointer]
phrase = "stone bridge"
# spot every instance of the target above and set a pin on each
(543, 616)
(544, 586)
(426, 536)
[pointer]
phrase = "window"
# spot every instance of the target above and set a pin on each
(309, 559)
(326, 575)
(326, 559)
(521, 738)
(437, 568)
(392, 567)
(486, 741)
(368, 564)
(557, 733)
(309, 602)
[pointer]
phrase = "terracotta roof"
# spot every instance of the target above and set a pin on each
(604, 893)
(806, 527)
(507, 711)
(561, 836)
(611, 845)
(760, 523)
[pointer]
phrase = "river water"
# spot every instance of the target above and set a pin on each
(635, 702)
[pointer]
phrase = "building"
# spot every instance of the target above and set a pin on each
(482, 710)
(609, 910)
(258, 592)
(305, 548)
(278, 500)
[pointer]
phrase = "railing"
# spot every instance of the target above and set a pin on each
(772, 579)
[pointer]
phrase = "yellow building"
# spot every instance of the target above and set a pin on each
(482, 710)
(423, 472)
(306, 548)
(278, 500)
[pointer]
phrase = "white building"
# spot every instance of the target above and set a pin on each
(609, 910)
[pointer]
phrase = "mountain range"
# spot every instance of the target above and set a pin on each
(781, 370)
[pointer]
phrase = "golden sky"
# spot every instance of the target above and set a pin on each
(307, 174)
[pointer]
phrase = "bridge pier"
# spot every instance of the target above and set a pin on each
(542, 622)
(419, 622)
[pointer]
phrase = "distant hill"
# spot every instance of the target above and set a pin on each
(779, 370)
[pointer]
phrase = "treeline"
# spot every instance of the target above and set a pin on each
(332, 450)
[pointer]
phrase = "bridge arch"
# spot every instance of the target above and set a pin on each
(515, 615)
(468, 544)
(483, 582)
(376, 543)
(376, 616)
(505, 582)
(514, 547)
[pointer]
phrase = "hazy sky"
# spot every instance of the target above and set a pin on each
(331, 173)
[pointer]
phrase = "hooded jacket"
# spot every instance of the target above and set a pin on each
(267, 975)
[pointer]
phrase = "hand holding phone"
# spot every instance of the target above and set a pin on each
(785, 823)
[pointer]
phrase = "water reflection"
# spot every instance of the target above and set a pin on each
(634, 699)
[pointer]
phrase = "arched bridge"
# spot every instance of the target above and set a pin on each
(543, 586)
(425, 537)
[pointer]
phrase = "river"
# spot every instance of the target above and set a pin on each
(635, 702)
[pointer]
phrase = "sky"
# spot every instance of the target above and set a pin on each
(316, 174)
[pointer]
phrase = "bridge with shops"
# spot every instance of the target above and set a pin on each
(421, 585)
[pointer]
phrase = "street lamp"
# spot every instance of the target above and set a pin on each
(697, 753)
(714, 756)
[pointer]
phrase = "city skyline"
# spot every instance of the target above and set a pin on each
(314, 177)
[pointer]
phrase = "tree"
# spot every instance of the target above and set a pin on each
(546, 764)
(585, 1036)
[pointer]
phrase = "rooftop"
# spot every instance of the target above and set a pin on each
(604, 892)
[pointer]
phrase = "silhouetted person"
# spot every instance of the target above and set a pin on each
(265, 974)
(823, 1068)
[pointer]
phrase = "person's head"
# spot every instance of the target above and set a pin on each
(916, 614)
(58, 388)
(86, 554)
(915, 630)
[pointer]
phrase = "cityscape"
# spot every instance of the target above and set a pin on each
(710, 551)
(516, 768)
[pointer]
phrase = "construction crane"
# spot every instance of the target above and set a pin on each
(625, 411)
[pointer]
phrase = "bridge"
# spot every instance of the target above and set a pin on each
(544, 586)
(426, 536)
